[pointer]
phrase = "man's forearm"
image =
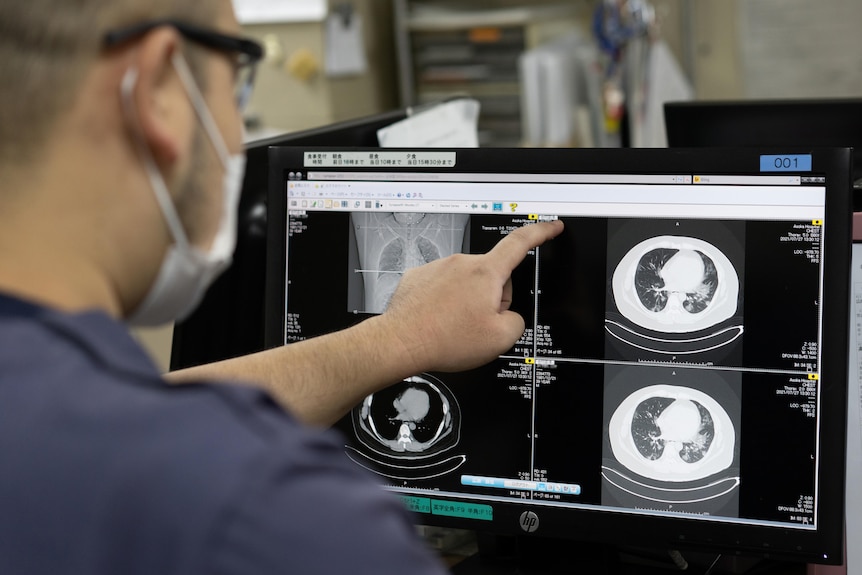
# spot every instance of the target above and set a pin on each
(319, 380)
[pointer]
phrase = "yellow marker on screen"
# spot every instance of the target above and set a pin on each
(813, 376)
(530, 360)
(533, 217)
(816, 222)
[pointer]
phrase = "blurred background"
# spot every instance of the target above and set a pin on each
(331, 60)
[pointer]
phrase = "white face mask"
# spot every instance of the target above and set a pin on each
(186, 271)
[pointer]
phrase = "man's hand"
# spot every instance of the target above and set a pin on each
(453, 314)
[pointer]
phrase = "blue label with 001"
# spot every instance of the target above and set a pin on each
(786, 163)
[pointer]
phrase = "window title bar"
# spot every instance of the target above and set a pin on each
(322, 176)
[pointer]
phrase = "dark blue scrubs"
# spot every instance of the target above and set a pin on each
(106, 469)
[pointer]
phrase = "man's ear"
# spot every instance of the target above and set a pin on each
(156, 104)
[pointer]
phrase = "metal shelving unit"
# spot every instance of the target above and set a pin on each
(448, 48)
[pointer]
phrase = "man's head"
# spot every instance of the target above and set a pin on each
(72, 137)
(46, 47)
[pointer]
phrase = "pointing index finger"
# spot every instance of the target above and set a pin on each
(512, 249)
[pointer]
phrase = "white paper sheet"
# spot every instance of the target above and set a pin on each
(449, 125)
(345, 45)
(266, 11)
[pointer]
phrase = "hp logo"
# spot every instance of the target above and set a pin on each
(529, 521)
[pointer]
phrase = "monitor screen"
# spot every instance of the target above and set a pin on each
(682, 379)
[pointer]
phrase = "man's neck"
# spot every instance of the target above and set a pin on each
(47, 237)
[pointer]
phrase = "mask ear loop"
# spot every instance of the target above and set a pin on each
(233, 168)
(200, 106)
(160, 189)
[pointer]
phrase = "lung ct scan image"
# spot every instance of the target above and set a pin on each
(672, 440)
(390, 243)
(408, 431)
(675, 291)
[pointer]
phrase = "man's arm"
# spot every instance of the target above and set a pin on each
(448, 315)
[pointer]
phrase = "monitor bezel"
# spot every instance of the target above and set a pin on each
(820, 122)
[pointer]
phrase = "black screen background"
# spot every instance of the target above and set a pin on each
(501, 437)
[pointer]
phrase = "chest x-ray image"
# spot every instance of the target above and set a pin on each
(675, 284)
(672, 443)
(390, 243)
(408, 431)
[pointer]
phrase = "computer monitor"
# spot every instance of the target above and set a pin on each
(788, 122)
(681, 383)
(229, 320)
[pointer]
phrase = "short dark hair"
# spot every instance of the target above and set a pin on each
(46, 47)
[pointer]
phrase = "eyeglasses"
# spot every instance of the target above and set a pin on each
(248, 52)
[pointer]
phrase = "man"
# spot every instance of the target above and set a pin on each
(119, 156)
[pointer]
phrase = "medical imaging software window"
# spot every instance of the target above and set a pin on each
(660, 370)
